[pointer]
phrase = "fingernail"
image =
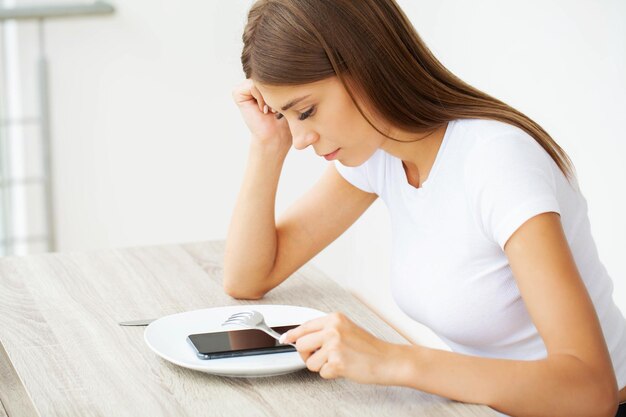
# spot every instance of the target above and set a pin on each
(282, 338)
(265, 109)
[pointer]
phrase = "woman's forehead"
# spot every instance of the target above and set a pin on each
(286, 93)
(292, 88)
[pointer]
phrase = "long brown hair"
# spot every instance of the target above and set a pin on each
(371, 46)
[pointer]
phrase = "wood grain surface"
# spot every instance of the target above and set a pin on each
(63, 353)
(2, 412)
(12, 391)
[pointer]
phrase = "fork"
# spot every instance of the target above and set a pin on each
(253, 320)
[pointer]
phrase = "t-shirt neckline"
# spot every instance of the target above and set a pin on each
(425, 186)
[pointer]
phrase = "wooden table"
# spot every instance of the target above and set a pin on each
(62, 352)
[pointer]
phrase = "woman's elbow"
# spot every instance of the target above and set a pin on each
(606, 397)
(241, 293)
(612, 403)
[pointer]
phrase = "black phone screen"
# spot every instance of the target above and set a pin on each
(233, 343)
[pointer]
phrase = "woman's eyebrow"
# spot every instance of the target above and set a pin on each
(293, 102)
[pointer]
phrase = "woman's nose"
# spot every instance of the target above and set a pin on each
(301, 141)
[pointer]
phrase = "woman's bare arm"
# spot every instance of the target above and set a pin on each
(575, 379)
(260, 252)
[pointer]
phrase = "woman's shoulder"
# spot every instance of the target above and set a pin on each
(502, 155)
(480, 132)
(492, 141)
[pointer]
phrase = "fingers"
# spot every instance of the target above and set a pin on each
(317, 359)
(331, 368)
(326, 362)
(241, 93)
(259, 98)
(308, 344)
(307, 327)
(262, 104)
(318, 341)
(246, 92)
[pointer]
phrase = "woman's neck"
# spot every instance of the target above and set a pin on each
(418, 156)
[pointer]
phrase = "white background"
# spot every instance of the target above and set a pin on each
(150, 149)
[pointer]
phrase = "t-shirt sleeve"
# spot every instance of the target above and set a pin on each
(357, 176)
(509, 179)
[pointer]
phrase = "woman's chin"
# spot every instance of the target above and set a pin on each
(351, 163)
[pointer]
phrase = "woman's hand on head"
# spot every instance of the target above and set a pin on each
(260, 118)
(337, 348)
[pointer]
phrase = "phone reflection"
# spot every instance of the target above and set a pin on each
(254, 339)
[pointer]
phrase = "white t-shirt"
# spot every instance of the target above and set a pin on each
(449, 270)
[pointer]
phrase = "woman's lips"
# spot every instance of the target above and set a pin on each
(332, 155)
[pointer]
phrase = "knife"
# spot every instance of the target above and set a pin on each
(143, 322)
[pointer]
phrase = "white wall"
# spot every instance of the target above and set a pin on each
(150, 149)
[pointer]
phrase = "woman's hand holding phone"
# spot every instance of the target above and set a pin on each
(267, 130)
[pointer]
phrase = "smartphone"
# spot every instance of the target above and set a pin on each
(234, 343)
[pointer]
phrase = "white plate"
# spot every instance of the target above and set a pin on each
(167, 337)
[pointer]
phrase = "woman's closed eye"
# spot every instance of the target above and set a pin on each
(302, 116)
(306, 114)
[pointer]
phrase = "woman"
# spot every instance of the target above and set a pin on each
(492, 246)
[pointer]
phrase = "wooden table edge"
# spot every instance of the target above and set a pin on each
(14, 398)
(3, 412)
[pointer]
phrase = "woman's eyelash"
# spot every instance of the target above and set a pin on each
(307, 113)
(303, 116)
